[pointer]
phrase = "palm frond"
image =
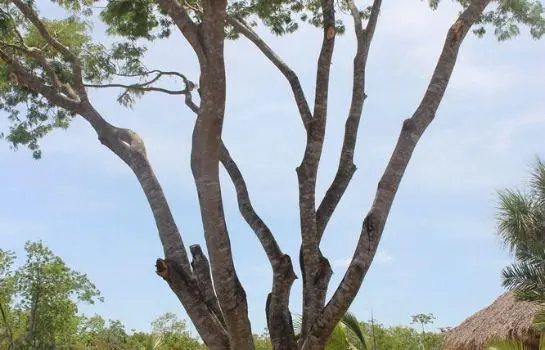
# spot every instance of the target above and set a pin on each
(537, 181)
(352, 324)
(338, 340)
(524, 276)
(518, 218)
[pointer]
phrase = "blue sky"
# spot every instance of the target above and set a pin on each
(439, 251)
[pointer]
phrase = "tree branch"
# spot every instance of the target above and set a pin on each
(278, 313)
(205, 154)
(185, 285)
(145, 86)
(138, 87)
(38, 55)
(128, 146)
(185, 24)
(293, 80)
(29, 80)
(347, 168)
(201, 269)
(315, 268)
(374, 223)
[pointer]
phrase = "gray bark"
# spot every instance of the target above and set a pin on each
(315, 268)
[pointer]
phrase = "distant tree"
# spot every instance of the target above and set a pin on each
(39, 299)
(423, 319)
(174, 334)
(7, 291)
(401, 338)
(47, 66)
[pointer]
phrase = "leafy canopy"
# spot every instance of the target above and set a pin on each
(31, 116)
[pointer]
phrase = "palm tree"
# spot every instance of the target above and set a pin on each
(521, 225)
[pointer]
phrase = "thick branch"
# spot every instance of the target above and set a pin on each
(347, 168)
(373, 225)
(201, 269)
(205, 155)
(290, 75)
(278, 314)
(315, 268)
(187, 288)
(128, 146)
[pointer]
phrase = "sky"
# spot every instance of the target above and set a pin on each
(440, 252)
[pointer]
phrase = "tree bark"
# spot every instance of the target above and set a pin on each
(347, 168)
(374, 223)
(205, 155)
(315, 268)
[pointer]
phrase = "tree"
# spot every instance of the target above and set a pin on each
(173, 333)
(521, 226)
(7, 291)
(39, 300)
(48, 66)
(423, 319)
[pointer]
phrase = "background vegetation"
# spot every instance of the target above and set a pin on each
(38, 310)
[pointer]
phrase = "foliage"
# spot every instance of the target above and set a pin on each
(32, 116)
(521, 223)
(512, 345)
(38, 311)
(400, 338)
(39, 299)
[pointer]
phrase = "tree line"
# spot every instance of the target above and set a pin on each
(39, 310)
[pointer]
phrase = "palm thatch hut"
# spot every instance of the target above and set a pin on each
(505, 319)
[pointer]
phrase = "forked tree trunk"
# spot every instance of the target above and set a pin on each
(209, 289)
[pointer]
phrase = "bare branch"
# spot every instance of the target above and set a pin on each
(138, 87)
(145, 86)
(373, 225)
(347, 168)
(298, 93)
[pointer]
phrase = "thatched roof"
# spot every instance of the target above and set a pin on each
(506, 319)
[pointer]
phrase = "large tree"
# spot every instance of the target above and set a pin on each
(48, 65)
